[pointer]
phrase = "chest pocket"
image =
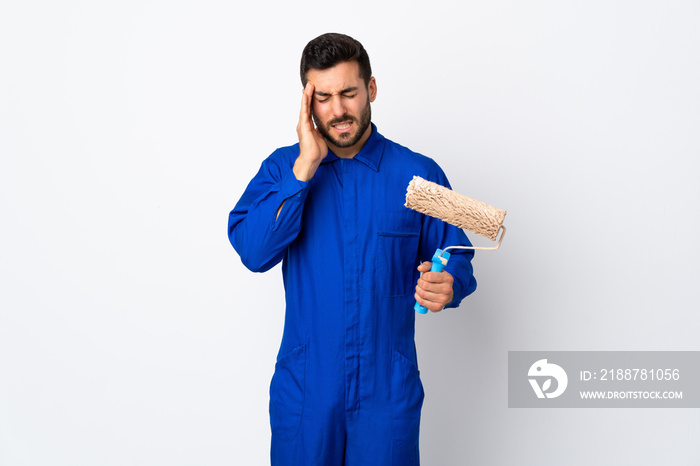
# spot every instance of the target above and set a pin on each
(398, 235)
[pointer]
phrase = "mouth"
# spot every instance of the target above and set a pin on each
(343, 127)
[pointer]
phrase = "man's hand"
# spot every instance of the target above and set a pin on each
(312, 146)
(434, 289)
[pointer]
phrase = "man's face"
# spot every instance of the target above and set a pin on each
(341, 104)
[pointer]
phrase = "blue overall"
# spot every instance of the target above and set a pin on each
(346, 388)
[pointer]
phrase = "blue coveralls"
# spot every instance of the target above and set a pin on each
(346, 388)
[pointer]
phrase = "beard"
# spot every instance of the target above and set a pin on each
(346, 139)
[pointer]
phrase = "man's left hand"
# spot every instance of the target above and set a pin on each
(434, 289)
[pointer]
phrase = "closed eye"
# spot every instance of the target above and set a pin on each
(348, 93)
(326, 99)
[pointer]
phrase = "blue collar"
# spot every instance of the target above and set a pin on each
(370, 154)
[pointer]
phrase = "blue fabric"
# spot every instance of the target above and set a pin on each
(346, 388)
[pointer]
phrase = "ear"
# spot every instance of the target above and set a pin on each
(372, 88)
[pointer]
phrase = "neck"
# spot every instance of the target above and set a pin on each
(352, 151)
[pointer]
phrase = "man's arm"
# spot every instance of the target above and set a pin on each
(312, 147)
(267, 218)
(255, 230)
(436, 290)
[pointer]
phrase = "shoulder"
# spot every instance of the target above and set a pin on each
(284, 155)
(281, 160)
(400, 158)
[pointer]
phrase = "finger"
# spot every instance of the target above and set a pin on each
(304, 110)
(441, 296)
(438, 277)
(432, 305)
(309, 94)
(436, 288)
(309, 89)
(424, 267)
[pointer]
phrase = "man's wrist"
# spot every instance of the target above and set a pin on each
(303, 170)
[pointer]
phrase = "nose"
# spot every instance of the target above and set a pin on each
(337, 106)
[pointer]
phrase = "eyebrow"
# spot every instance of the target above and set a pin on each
(344, 91)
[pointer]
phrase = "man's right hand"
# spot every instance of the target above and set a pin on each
(312, 145)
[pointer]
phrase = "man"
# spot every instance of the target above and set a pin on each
(346, 388)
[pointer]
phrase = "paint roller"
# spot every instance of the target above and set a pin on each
(464, 212)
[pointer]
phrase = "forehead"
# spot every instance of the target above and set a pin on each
(341, 76)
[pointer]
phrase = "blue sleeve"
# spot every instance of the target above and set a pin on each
(255, 230)
(438, 234)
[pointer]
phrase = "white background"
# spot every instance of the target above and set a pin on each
(130, 333)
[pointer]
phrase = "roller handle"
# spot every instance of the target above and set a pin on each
(439, 262)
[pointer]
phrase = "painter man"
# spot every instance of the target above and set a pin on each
(346, 388)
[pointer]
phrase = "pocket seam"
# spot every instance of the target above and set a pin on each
(290, 353)
(283, 362)
(407, 366)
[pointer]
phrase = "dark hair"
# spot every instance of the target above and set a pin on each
(328, 50)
